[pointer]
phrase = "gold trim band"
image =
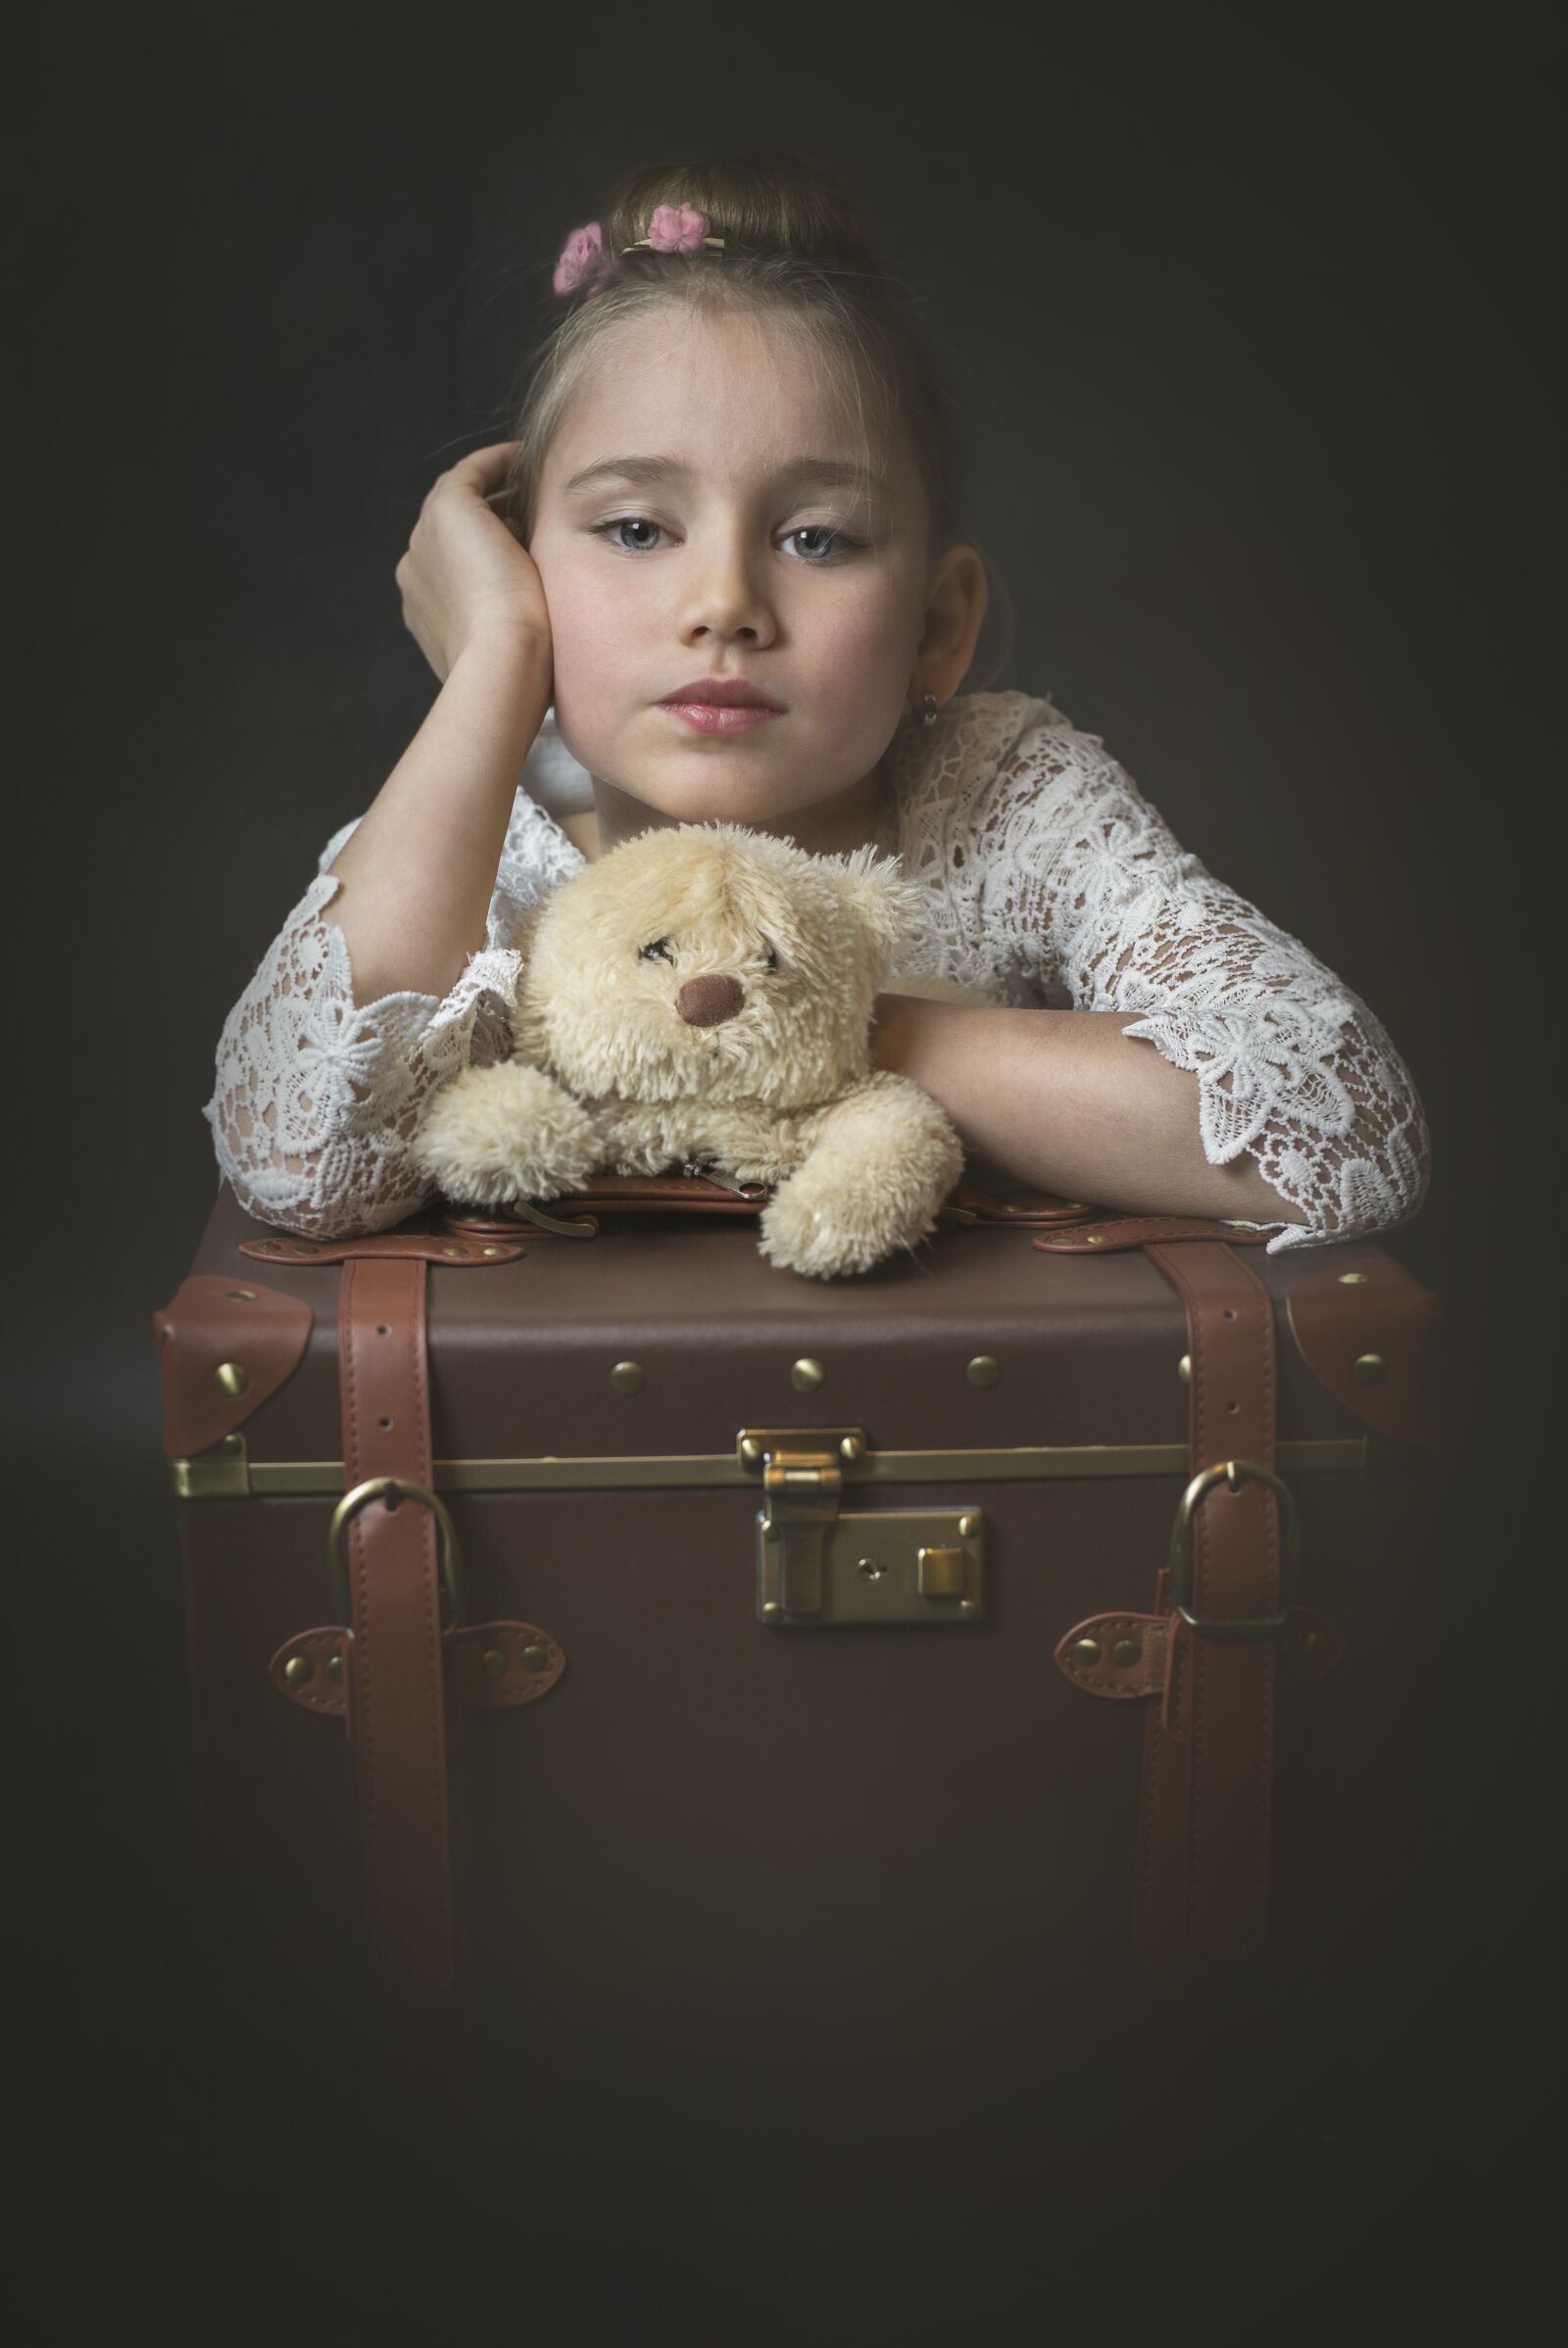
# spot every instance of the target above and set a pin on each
(226, 1473)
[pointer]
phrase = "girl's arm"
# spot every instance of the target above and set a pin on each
(388, 976)
(1059, 1099)
(380, 985)
(1272, 1094)
(419, 869)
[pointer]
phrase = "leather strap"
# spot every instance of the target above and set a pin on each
(1208, 1753)
(397, 1699)
(402, 1246)
(1120, 1232)
(496, 1665)
(969, 1201)
(1122, 1655)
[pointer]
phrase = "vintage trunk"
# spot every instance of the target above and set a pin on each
(795, 1701)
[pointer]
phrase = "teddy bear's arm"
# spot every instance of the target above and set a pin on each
(752, 1141)
(883, 1159)
(495, 1135)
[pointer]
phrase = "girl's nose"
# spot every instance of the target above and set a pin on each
(726, 596)
(709, 1001)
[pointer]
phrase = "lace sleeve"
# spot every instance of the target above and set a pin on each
(315, 1100)
(1096, 902)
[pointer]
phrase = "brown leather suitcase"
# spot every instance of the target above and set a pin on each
(976, 1701)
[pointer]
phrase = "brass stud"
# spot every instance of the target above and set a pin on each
(1087, 1650)
(297, 1670)
(969, 1525)
(269, 1247)
(627, 1378)
(335, 1668)
(851, 1446)
(1075, 1206)
(493, 1661)
(1093, 1239)
(233, 1376)
(1370, 1369)
(1352, 1278)
(1183, 1369)
(537, 1658)
(492, 1250)
(242, 1295)
(751, 1449)
(451, 1250)
(984, 1370)
(806, 1376)
(1125, 1652)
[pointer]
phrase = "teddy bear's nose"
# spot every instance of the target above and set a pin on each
(707, 1001)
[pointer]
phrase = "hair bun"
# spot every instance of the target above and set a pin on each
(770, 204)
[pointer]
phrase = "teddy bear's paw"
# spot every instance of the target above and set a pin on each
(495, 1135)
(806, 1228)
(884, 1159)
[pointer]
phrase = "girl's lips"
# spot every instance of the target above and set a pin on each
(710, 718)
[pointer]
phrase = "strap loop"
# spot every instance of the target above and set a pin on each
(405, 1486)
(1233, 1473)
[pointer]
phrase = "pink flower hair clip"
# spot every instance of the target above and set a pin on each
(583, 260)
(673, 228)
(677, 229)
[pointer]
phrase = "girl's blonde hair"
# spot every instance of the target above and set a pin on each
(797, 246)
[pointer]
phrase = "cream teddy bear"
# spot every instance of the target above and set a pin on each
(705, 992)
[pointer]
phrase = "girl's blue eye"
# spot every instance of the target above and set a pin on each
(841, 544)
(820, 529)
(630, 521)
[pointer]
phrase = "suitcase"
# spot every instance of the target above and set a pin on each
(884, 1732)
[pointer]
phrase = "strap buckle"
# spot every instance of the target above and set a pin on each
(377, 1488)
(1235, 1473)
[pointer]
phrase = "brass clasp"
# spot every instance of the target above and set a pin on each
(821, 1566)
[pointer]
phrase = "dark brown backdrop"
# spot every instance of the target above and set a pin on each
(1250, 324)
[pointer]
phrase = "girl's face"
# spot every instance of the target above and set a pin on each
(711, 540)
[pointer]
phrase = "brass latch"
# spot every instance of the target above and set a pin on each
(822, 1566)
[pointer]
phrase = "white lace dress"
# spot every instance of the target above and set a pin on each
(1048, 881)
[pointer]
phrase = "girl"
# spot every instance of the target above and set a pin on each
(717, 575)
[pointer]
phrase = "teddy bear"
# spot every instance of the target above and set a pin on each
(704, 993)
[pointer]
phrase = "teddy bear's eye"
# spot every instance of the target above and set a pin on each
(659, 947)
(770, 955)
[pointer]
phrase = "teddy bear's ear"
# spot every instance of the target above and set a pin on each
(881, 900)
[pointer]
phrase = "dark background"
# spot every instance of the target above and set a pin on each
(1248, 321)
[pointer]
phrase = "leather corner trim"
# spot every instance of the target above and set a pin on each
(1370, 1333)
(214, 1324)
(1141, 1231)
(490, 1686)
(1311, 1646)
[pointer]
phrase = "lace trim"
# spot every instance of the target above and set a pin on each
(1050, 880)
(316, 1100)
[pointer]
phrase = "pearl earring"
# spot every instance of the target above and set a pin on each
(928, 710)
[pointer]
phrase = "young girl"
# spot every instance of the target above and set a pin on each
(717, 575)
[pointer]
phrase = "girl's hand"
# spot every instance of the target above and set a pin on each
(465, 571)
